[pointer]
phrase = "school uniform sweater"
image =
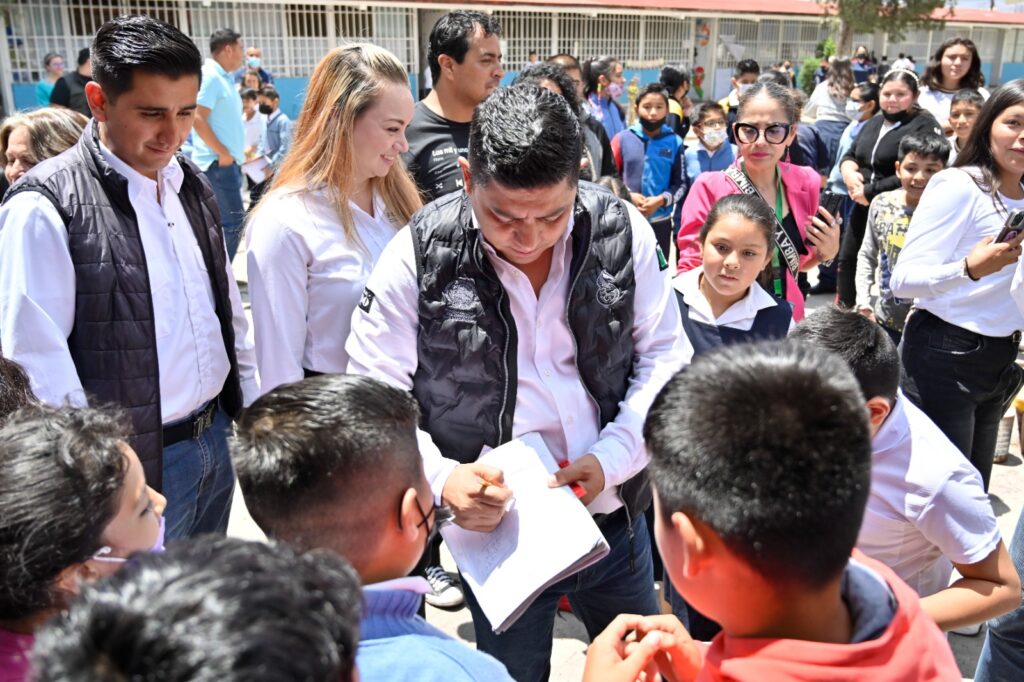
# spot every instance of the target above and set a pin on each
(652, 166)
(397, 644)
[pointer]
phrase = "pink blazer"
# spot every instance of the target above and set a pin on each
(801, 186)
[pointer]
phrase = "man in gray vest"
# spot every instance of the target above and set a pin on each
(530, 302)
(115, 287)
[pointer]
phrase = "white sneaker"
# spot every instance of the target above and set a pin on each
(968, 630)
(445, 593)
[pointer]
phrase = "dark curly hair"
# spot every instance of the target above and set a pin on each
(60, 485)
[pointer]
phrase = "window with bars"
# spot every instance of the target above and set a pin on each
(292, 36)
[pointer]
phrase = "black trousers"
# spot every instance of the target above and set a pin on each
(853, 235)
(962, 380)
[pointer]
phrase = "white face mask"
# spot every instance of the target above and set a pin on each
(713, 138)
(743, 87)
(853, 109)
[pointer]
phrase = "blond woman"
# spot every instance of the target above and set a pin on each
(339, 197)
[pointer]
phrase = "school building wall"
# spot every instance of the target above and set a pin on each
(294, 36)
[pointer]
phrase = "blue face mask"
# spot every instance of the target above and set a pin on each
(157, 547)
(253, 62)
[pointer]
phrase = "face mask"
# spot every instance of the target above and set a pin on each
(713, 138)
(157, 548)
(253, 62)
(614, 90)
(853, 110)
(898, 117)
(742, 88)
(652, 126)
(266, 109)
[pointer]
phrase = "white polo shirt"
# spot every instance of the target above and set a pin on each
(927, 506)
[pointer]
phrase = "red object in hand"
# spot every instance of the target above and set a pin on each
(575, 487)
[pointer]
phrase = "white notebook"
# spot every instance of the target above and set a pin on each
(546, 535)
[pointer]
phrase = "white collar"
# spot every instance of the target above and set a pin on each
(894, 429)
(757, 299)
(171, 173)
(408, 584)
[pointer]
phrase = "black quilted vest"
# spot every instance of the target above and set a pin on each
(113, 341)
(466, 377)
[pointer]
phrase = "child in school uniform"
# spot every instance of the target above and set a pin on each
(721, 301)
(649, 157)
(921, 155)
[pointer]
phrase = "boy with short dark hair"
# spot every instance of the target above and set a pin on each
(928, 511)
(756, 526)
(744, 75)
(963, 112)
(332, 462)
(921, 155)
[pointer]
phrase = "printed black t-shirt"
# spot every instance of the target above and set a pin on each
(435, 145)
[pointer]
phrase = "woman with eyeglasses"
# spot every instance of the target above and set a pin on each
(869, 168)
(53, 64)
(806, 235)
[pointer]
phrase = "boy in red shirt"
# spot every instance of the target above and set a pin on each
(761, 462)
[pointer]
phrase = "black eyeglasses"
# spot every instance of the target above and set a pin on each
(774, 133)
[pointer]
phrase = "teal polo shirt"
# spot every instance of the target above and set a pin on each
(218, 94)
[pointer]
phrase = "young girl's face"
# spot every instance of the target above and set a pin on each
(136, 525)
(1007, 140)
(736, 250)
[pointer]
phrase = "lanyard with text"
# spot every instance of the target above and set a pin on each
(783, 243)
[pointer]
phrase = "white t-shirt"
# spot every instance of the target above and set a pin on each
(927, 507)
(938, 102)
(305, 279)
(254, 129)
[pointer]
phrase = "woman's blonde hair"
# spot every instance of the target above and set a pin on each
(50, 132)
(344, 85)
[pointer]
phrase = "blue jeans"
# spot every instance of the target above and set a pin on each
(227, 187)
(199, 482)
(1002, 656)
(597, 595)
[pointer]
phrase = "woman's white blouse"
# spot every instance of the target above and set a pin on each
(305, 280)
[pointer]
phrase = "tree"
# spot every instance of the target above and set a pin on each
(895, 17)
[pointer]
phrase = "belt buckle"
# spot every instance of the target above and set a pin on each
(203, 421)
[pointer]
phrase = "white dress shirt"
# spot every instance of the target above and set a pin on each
(927, 506)
(255, 128)
(551, 398)
(305, 279)
(37, 297)
(951, 218)
(740, 315)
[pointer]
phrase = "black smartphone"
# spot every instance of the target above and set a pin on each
(1012, 227)
(831, 202)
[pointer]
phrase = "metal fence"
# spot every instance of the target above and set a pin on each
(292, 36)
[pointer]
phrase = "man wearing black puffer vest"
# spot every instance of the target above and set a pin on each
(115, 285)
(530, 302)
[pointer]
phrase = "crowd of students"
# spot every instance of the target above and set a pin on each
(429, 280)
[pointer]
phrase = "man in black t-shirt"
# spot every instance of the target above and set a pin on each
(465, 62)
(69, 90)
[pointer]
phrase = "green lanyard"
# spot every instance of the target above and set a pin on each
(776, 264)
(777, 275)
